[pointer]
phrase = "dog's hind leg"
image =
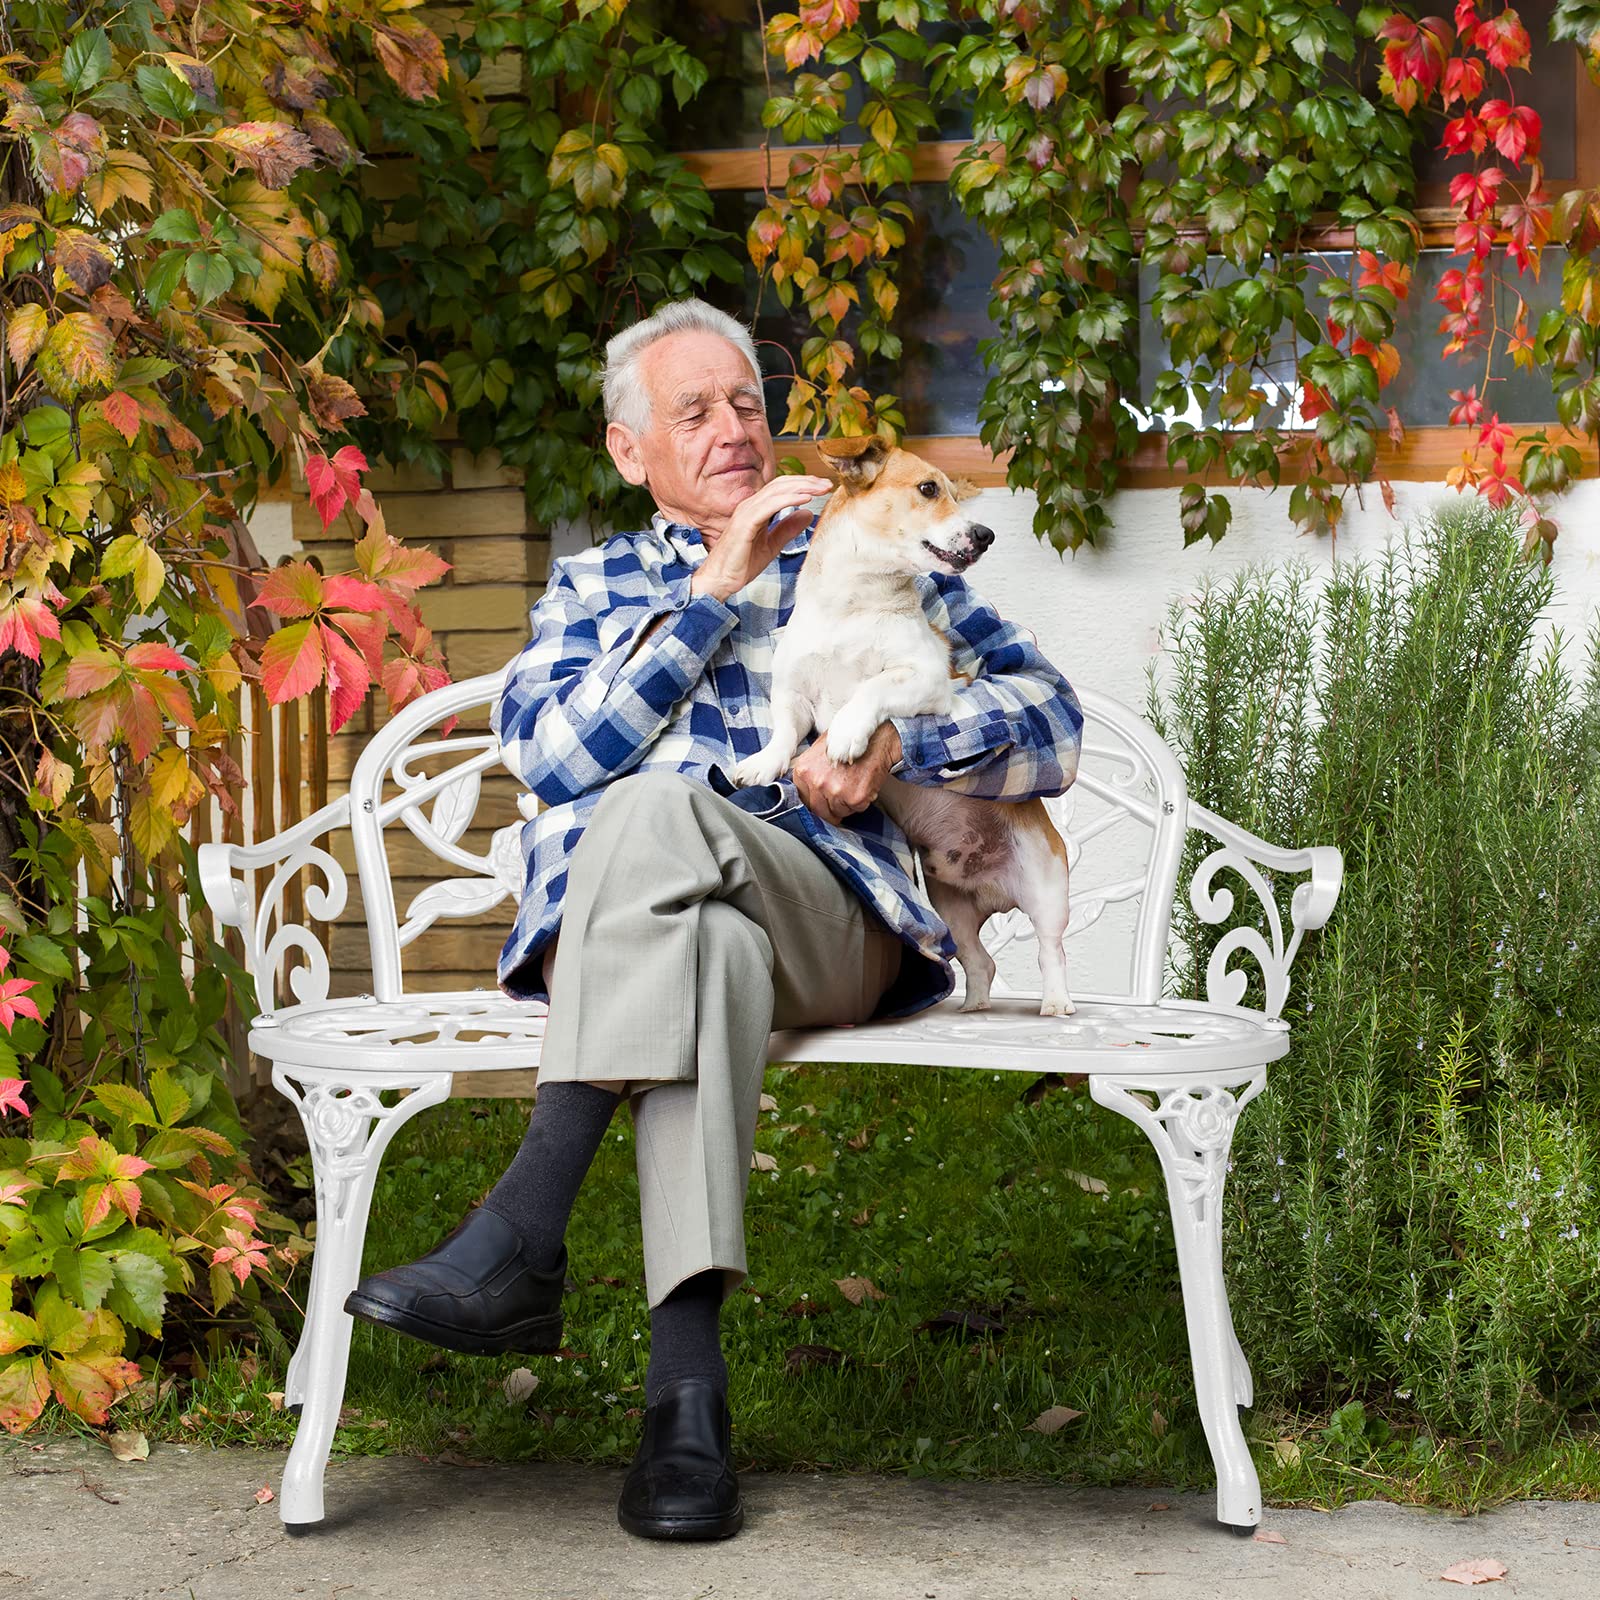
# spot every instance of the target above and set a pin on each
(965, 918)
(1043, 900)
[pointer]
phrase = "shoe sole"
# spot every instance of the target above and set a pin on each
(686, 1528)
(537, 1336)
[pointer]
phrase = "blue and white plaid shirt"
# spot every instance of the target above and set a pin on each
(581, 707)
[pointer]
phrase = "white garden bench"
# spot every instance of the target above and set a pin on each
(1181, 1069)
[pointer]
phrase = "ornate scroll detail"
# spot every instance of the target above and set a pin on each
(1310, 907)
(348, 1127)
(455, 793)
(1191, 1126)
(324, 901)
(269, 940)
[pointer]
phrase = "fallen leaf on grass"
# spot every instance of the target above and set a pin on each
(768, 1103)
(1484, 1570)
(519, 1385)
(1267, 1536)
(1287, 1452)
(147, 1394)
(859, 1290)
(264, 1494)
(275, 1398)
(1056, 1418)
(1158, 1424)
(862, 1217)
(129, 1444)
(760, 1161)
(1085, 1182)
(969, 1323)
(805, 1308)
(859, 1141)
(249, 1366)
(798, 1357)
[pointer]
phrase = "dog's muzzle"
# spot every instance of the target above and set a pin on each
(966, 549)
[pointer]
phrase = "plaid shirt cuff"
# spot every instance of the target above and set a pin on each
(931, 748)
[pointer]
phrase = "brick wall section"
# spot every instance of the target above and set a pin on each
(475, 519)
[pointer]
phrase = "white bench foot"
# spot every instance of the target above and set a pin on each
(348, 1128)
(1191, 1128)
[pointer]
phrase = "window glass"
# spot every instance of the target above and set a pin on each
(1421, 391)
(947, 268)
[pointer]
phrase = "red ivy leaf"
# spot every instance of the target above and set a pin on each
(292, 590)
(333, 483)
(291, 663)
(1468, 407)
(347, 677)
(1463, 78)
(1504, 41)
(1475, 191)
(122, 412)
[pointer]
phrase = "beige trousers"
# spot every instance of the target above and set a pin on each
(690, 930)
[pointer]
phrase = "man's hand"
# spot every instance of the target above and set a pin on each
(834, 790)
(746, 547)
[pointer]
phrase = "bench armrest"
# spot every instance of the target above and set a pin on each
(1310, 907)
(268, 938)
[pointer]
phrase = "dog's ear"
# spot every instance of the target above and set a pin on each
(963, 488)
(855, 462)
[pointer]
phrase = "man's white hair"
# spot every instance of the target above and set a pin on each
(626, 399)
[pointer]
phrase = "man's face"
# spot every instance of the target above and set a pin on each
(707, 447)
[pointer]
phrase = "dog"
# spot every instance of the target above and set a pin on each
(858, 649)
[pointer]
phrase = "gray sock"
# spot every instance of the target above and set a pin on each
(685, 1339)
(536, 1193)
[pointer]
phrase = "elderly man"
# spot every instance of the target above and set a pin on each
(695, 917)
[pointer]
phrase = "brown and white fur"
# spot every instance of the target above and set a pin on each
(859, 649)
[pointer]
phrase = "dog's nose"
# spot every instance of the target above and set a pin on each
(981, 536)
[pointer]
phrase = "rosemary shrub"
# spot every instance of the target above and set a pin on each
(1412, 1213)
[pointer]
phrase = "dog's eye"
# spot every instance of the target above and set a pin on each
(928, 489)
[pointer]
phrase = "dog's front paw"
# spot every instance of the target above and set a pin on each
(761, 768)
(849, 735)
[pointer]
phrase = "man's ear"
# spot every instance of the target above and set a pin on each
(855, 462)
(963, 488)
(624, 451)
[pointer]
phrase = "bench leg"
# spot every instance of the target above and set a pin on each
(1191, 1127)
(348, 1128)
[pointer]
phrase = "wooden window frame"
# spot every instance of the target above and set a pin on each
(1425, 454)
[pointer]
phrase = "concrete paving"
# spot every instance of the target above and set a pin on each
(77, 1525)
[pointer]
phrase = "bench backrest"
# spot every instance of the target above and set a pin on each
(1129, 799)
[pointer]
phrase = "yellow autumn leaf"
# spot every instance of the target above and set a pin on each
(151, 825)
(125, 175)
(26, 331)
(172, 784)
(76, 353)
(150, 573)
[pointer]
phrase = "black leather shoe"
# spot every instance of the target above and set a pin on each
(682, 1484)
(472, 1292)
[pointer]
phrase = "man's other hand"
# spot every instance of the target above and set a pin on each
(747, 547)
(834, 790)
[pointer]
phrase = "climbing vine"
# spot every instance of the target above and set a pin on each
(1501, 200)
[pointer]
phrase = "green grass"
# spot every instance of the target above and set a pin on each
(971, 1204)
